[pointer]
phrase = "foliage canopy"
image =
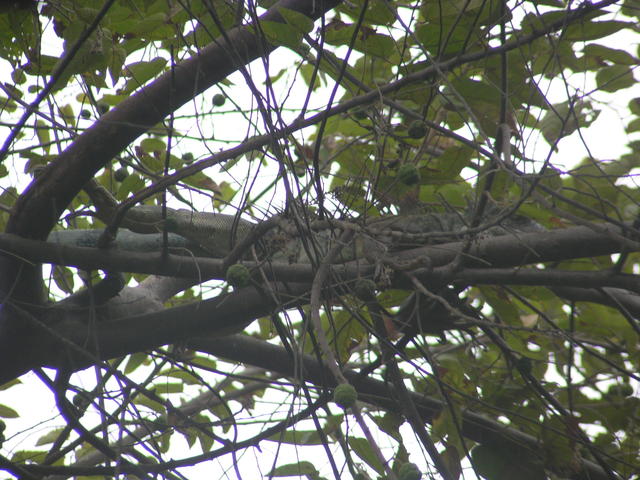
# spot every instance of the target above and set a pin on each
(511, 355)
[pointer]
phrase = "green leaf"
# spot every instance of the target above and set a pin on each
(344, 332)
(10, 383)
(66, 112)
(131, 184)
(565, 118)
(186, 377)
(282, 34)
(298, 437)
(588, 30)
(296, 20)
(306, 469)
(49, 437)
(141, 72)
(8, 412)
(204, 362)
(613, 55)
(165, 387)
(494, 463)
(501, 304)
(367, 41)
(135, 360)
(44, 136)
(378, 12)
(633, 126)
(447, 166)
(153, 144)
(63, 277)
(364, 450)
(28, 456)
(615, 77)
(152, 27)
(151, 404)
(390, 424)
(376, 44)
(559, 447)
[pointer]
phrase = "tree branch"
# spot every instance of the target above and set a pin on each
(477, 427)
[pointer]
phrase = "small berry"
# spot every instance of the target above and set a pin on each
(102, 108)
(120, 174)
(408, 174)
(524, 365)
(238, 275)
(345, 395)
(360, 114)
(417, 129)
(409, 471)
(621, 390)
(218, 99)
(365, 289)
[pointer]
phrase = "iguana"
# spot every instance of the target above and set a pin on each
(215, 234)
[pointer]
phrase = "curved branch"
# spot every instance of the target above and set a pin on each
(485, 258)
(45, 199)
(477, 427)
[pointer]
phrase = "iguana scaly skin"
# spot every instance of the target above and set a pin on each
(217, 233)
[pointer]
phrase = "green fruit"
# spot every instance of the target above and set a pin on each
(238, 275)
(187, 157)
(18, 76)
(417, 129)
(408, 174)
(345, 395)
(409, 471)
(120, 174)
(365, 289)
(102, 108)
(80, 401)
(621, 390)
(84, 113)
(524, 365)
(218, 99)
(360, 114)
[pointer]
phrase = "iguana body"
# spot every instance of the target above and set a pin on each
(216, 233)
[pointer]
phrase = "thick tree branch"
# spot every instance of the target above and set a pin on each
(477, 427)
(40, 206)
(485, 258)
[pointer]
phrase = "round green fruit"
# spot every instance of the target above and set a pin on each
(218, 99)
(360, 114)
(408, 174)
(409, 471)
(120, 174)
(365, 289)
(238, 275)
(187, 157)
(417, 129)
(80, 401)
(620, 390)
(102, 108)
(84, 113)
(524, 365)
(345, 395)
